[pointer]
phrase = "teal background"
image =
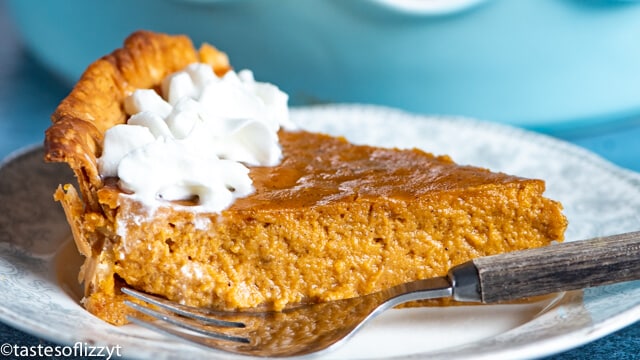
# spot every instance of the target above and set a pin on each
(543, 64)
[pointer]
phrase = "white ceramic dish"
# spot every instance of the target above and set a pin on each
(38, 264)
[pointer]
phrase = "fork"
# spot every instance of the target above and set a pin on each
(304, 329)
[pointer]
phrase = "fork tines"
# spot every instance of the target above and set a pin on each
(172, 315)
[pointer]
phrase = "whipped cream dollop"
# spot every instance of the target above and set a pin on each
(195, 141)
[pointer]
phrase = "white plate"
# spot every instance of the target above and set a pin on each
(38, 264)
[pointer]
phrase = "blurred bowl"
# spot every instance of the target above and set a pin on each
(542, 64)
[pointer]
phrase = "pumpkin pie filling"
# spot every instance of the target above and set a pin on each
(331, 220)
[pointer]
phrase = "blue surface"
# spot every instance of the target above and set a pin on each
(29, 93)
(527, 62)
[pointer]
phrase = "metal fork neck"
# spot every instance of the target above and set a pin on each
(433, 288)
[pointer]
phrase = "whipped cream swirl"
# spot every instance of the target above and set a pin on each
(195, 142)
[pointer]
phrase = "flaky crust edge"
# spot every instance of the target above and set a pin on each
(95, 104)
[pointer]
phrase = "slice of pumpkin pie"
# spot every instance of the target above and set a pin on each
(194, 185)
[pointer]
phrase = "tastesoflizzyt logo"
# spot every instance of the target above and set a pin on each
(79, 349)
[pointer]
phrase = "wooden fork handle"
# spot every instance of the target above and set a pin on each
(554, 268)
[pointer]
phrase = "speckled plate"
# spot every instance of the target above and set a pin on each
(38, 263)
